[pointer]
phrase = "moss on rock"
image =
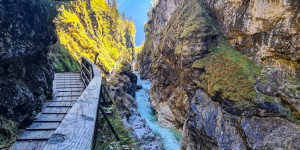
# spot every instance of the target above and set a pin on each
(8, 132)
(229, 72)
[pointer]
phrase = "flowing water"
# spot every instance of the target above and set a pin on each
(170, 137)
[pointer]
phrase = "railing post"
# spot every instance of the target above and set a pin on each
(91, 73)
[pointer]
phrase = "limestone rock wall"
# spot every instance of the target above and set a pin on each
(26, 72)
(265, 32)
(158, 19)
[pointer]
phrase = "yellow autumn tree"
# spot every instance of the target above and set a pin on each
(95, 29)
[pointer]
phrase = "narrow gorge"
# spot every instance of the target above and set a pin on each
(226, 73)
(210, 74)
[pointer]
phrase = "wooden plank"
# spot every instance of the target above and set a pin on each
(35, 135)
(68, 78)
(59, 84)
(60, 106)
(81, 118)
(49, 117)
(28, 145)
(50, 121)
(56, 110)
(68, 94)
(68, 86)
(65, 101)
(36, 145)
(67, 73)
(63, 84)
(54, 113)
(67, 82)
(71, 84)
(39, 125)
(20, 145)
(66, 98)
(55, 104)
(70, 90)
(46, 122)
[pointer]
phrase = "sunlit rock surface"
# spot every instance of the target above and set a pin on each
(265, 30)
(180, 50)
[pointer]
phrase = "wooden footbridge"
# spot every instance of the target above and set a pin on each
(69, 121)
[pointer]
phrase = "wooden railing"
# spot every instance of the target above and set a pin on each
(87, 73)
(77, 130)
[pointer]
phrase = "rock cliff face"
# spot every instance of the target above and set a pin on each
(226, 72)
(26, 31)
(266, 31)
(122, 87)
(153, 29)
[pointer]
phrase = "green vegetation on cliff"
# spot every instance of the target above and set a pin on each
(229, 72)
(8, 132)
(62, 60)
(105, 137)
(226, 70)
(95, 29)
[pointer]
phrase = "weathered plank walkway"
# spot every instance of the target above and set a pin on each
(69, 121)
(67, 87)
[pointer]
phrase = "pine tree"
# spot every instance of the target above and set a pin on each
(124, 16)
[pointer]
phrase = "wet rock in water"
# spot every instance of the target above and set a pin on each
(138, 87)
(26, 72)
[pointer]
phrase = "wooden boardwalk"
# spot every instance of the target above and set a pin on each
(69, 121)
(67, 88)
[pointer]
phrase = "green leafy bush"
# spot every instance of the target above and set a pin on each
(124, 66)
